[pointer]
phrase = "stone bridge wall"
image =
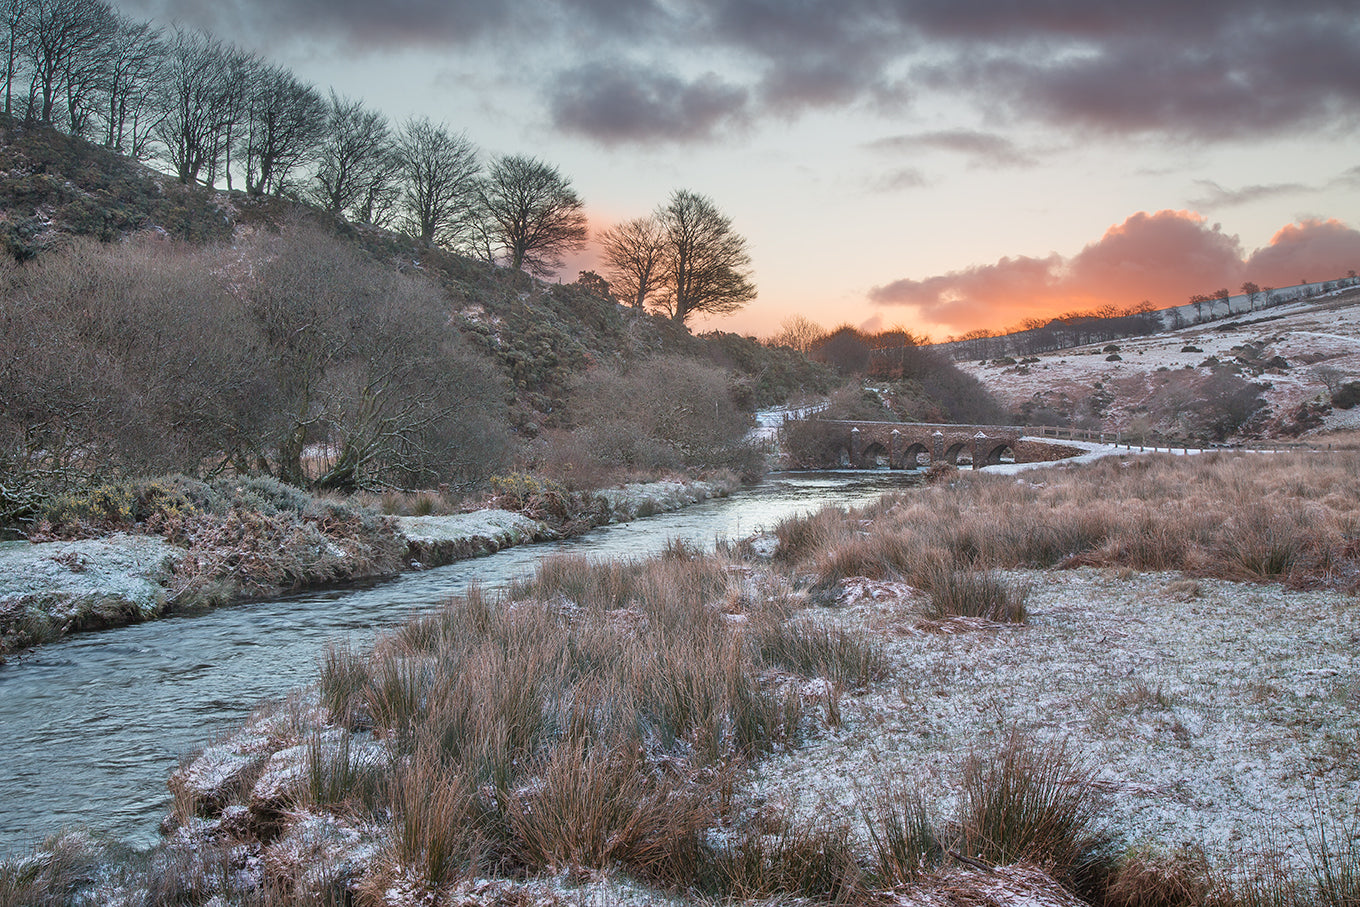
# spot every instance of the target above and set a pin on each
(906, 445)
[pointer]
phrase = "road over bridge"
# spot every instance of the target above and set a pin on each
(908, 445)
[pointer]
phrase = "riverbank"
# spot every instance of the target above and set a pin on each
(1168, 643)
(175, 565)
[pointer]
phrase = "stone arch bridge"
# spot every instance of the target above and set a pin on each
(908, 445)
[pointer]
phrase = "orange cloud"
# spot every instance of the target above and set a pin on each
(1163, 257)
(1313, 249)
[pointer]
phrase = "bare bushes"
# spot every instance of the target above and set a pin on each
(663, 413)
(315, 364)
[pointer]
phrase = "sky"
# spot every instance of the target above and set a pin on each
(939, 165)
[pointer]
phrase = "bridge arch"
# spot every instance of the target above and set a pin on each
(875, 454)
(910, 445)
(1000, 453)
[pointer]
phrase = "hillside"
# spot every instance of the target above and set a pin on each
(1275, 373)
(54, 187)
(158, 327)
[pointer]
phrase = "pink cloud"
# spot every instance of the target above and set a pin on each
(1163, 257)
(1312, 249)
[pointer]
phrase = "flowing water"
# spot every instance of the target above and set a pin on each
(91, 727)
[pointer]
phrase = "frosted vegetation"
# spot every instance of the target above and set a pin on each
(1125, 683)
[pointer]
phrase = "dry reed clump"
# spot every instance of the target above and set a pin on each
(1035, 802)
(1148, 877)
(975, 593)
(53, 875)
(813, 861)
(1291, 518)
(590, 718)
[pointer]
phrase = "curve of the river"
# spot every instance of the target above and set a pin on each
(90, 727)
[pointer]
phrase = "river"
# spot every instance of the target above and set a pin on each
(91, 726)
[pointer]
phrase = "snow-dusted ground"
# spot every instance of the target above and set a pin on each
(1218, 713)
(1313, 336)
(69, 580)
(123, 578)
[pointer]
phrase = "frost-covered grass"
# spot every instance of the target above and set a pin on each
(1292, 518)
(812, 727)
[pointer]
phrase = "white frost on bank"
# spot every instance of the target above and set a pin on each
(69, 577)
(647, 498)
(1217, 712)
(504, 527)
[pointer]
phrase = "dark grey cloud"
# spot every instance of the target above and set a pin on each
(617, 103)
(1208, 73)
(1349, 179)
(1202, 71)
(984, 149)
(1216, 196)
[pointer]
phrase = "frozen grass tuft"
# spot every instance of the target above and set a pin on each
(975, 593)
(1032, 801)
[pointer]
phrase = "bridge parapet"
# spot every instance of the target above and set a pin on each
(907, 445)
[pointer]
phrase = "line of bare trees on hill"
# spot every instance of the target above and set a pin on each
(214, 113)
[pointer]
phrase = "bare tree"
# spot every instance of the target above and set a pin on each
(14, 14)
(132, 69)
(356, 161)
(368, 368)
(202, 97)
(797, 333)
(439, 176)
(707, 267)
(65, 41)
(534, 215)
(632, 255)
(284, 121)
(1253, 294)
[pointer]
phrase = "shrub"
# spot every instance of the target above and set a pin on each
(1347, 395)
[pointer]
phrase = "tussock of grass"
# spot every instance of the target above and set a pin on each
(1290, 518)
(975, 593)
(814, 861)
(1034, 802)
(588, 719)
(904, 841)
(1146, 877)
